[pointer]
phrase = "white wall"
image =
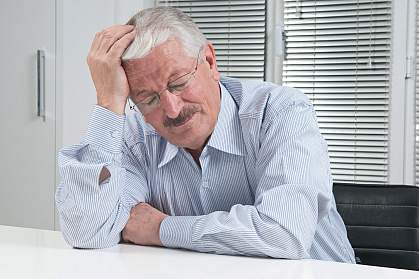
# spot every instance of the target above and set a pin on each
(402, 94)
(80, 21)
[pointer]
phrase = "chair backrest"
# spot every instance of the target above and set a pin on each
(382, 223)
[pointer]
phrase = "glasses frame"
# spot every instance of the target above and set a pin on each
(171, 89)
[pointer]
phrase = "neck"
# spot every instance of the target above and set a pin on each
(196, 153)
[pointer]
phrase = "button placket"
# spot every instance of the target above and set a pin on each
(203, 159)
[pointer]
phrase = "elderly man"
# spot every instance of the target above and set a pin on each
(203, 162)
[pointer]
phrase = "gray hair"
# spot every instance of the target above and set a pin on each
(156, 25)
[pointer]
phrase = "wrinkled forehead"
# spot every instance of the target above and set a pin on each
(160, 62)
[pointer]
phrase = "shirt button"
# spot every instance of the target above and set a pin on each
(115, 134)
(205, 183)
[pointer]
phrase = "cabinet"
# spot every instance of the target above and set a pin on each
(27, 84)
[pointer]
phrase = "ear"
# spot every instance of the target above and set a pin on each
(212, 62)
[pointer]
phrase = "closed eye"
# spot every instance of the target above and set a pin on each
(154, 100)
(150, 100)
(177, 87)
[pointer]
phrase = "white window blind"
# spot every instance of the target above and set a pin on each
(338, 53)
(237, 30)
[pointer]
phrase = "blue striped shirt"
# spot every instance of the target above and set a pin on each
(264, 187)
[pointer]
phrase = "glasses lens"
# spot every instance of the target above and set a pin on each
(147, 108)
(180, 84)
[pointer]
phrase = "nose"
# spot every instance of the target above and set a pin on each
(171, 104)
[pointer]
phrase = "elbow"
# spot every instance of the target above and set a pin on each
(81, 231)
(88, 227)
(279, 242)
(92, 243)
(296, 250)
(287, 249)
(78, 236)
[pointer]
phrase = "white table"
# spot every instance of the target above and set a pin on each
(31, 253)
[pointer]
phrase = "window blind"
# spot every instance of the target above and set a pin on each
(237, 30)
(338, 53)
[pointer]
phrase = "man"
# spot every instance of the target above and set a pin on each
(204, 163)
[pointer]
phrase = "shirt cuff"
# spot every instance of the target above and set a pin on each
(176, 231)
(105, 130)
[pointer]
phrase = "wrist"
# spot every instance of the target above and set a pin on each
(105, 130)
(116, 106)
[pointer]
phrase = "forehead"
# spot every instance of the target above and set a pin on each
(157, 66)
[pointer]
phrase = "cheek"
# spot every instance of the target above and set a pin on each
(154, 119)
(202, 95)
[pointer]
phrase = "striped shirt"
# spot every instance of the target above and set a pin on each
(264, 187)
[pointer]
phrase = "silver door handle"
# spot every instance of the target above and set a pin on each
(40, 61)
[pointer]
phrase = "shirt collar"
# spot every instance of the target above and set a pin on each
(169, 153)
(226, 137)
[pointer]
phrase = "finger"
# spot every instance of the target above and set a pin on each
(100, 36)
(111, 35)
(121, 45)
(95, 43)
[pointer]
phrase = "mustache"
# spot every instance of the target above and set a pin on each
(184, 115)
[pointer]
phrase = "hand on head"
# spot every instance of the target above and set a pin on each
(104, 60)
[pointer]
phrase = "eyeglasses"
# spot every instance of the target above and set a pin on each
(176, 87)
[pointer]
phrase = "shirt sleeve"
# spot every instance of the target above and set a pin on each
(293, 193)
(93, 215)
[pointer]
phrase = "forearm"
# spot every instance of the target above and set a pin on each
(92, 212)
(262, 230)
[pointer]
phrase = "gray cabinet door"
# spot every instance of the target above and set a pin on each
(27, 141)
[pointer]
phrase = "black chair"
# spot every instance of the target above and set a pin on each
(382, 223)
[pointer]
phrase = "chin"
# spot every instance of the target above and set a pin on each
(191, 140)
(188, 142)
(191, 135)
